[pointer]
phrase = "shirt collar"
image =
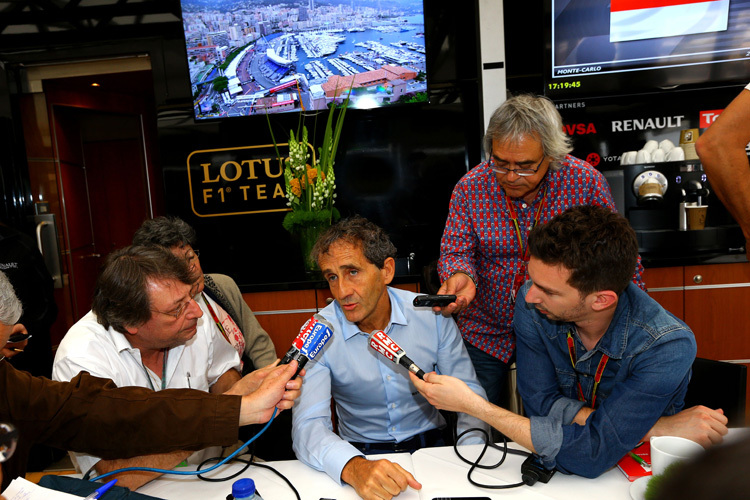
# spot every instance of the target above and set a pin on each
(397, 317)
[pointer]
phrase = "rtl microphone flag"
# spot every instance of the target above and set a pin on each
(382, 343)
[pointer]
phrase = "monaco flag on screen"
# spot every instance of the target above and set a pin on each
(641, 19)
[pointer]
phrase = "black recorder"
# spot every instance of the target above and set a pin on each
(433, 300)
(533, 470)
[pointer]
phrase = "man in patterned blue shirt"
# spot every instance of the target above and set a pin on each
(528, 179)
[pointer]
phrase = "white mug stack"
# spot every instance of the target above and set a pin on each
(654, 152)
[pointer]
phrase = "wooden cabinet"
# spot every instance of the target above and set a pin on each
(714, 301)
(282, 313)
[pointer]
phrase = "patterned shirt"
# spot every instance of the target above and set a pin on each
(480, 240)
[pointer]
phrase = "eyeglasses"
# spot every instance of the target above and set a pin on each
(177, 312)
(521, 172)
(8, 441)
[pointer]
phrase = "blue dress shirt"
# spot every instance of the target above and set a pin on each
(650, 356)
(375, 400)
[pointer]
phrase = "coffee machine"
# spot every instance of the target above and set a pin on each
(656, 197)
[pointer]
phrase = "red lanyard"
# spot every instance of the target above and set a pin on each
(215, 317)
(520, 277)
(514, 217)
(597, 376)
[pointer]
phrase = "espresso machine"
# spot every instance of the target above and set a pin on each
(657, 199)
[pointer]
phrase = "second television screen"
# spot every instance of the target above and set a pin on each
(248, 58)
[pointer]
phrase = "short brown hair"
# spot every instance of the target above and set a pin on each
(597, 245)
(376, 245)
(121, 296)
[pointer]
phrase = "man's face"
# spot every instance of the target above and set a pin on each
(174, 316)
(194, 264)
(524, 153)
(551, 294)
(358, 285)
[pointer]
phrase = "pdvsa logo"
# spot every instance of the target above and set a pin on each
(579, 128)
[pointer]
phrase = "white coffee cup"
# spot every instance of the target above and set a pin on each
(666, 145)
(666, 450)
(643, 156)
(650, 146)
(677, 154)
(658, 155)
(628, 158)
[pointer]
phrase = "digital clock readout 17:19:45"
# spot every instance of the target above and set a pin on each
(564, 85)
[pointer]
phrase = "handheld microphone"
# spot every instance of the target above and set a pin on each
(311, 339)
(385, 345)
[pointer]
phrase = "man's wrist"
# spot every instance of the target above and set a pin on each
(467, 273)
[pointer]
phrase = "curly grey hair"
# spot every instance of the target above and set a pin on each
(532, 115)
(10, 306)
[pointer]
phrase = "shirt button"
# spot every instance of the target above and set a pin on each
(393, 405)
(388, 377)
(393, 429)
(523, 205)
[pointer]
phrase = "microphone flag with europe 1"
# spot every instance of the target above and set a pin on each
(382, 343)
(311, 339)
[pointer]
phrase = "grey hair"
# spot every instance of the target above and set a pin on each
(10, 306)
(166, 232)
(532, 115)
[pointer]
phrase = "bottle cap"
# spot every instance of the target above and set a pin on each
(243, 488)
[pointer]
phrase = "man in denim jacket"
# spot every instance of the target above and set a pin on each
(601, 365)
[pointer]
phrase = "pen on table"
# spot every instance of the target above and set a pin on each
(101, 490)
(639, 459)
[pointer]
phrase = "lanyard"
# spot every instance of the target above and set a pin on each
(163, 373)
(215, 317)
(597, 376)
(514, 217)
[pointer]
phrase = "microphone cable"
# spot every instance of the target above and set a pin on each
(476, 465)
(187, 472)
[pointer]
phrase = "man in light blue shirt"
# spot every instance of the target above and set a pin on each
(378, 408)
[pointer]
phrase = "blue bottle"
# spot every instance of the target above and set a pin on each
(244, 489)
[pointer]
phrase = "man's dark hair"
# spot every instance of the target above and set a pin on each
(376, 245)
(121, 295)
(597, 245)
(165, 231)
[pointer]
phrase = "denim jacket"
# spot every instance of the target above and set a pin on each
(650, 356)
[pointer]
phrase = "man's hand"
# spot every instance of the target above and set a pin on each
(463, 288)
(9, 350)
(700, 424)
(276, 391)
(377, 479)
(445, 392)
(251, 382)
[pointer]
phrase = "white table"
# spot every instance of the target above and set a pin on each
(440, 471)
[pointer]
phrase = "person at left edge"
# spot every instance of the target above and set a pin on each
(143, 330)
(92, 415)
(377, 407)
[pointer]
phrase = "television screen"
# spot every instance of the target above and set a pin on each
(271, 56)
(629, 46)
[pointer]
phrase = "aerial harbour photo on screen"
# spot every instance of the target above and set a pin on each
(250, 57)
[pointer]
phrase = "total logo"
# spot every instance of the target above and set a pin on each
(708, 117)
(579, 128)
